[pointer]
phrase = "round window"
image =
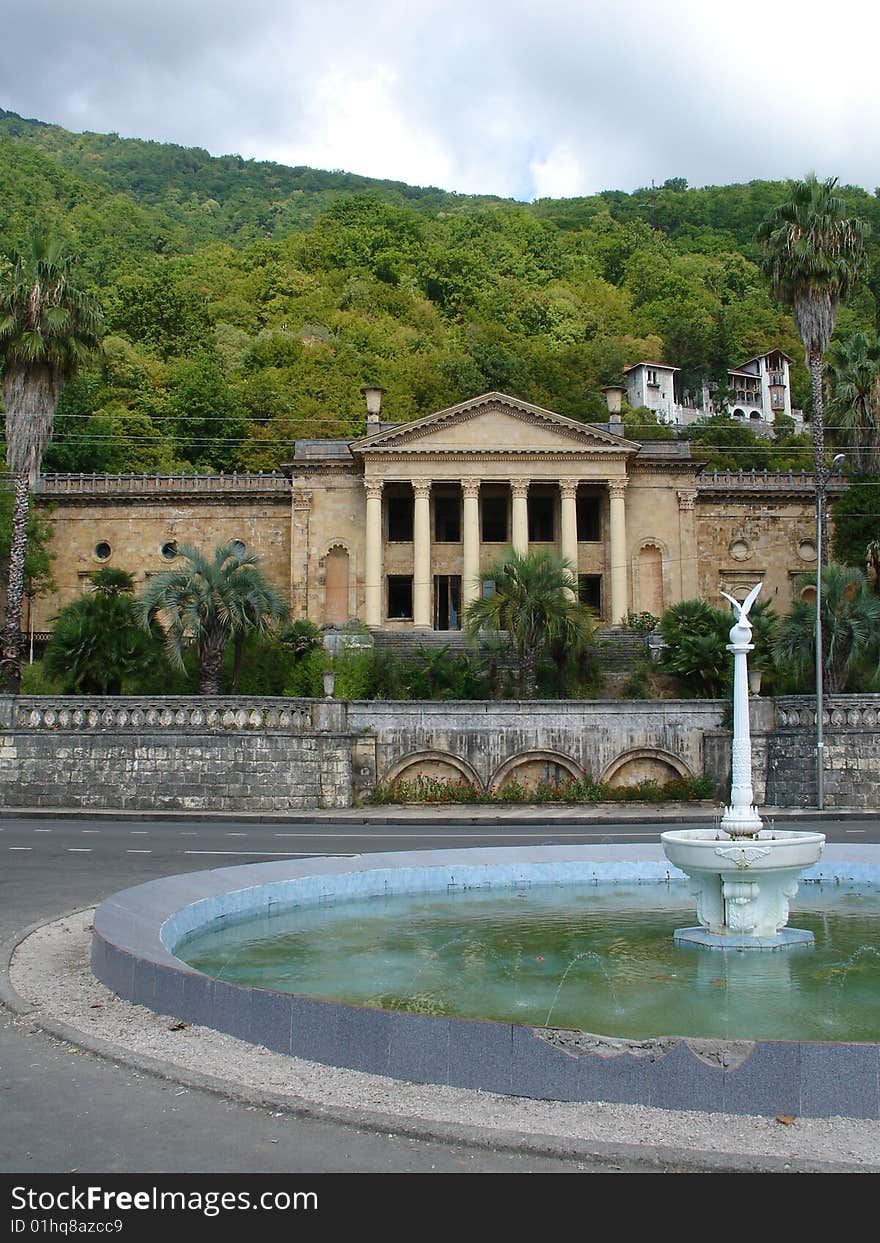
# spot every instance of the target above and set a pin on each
(807, 550)
(102, 550)
(740, 550)
(237, 546)
(169, 550)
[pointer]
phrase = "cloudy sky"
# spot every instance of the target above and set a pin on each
(523, 98)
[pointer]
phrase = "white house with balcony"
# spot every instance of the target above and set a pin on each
(652, 385)
(758, 391)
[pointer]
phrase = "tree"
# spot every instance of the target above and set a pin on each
(97, 642)
(850, 630)
(854, 405)
(48, 327)
(813, 255)
(856, 523)
(208, 602)
(532, 602)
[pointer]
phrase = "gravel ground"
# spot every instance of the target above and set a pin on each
(50, 971)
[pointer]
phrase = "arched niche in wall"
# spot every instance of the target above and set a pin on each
(534, 766)
(649, 576)
(640, 764)
(440, 765)
(336, 568)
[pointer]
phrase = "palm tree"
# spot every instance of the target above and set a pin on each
(207, 602)
(854, 404)
(96, 642)
(850, 628)
(532, 601)
(872, 558)
(48, 327)
(813, 257)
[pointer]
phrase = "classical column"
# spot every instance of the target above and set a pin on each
(373, 558)
(519, 489)
(470, 568)
(617, 522)
(301, 506)
(687, 539)
(422, 553)
(568, 542)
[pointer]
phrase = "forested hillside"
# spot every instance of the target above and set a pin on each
(246, 303)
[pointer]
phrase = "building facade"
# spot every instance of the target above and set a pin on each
(397, 528)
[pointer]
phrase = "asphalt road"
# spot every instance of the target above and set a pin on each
(65, 1111)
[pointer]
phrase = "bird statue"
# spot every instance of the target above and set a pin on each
(742, 610)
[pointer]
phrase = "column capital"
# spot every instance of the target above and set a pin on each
(470, 488)
(373, 488)
(686, 499)
(520, 488)
(617, 488)
(568, 489)
(421, 488)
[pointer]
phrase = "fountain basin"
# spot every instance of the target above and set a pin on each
(131, 955)
(743, 886)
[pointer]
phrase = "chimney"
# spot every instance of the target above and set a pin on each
(373, 394)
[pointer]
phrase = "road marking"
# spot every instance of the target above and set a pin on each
(80, 850)
(90, 830)
(19, 848)
(286, 854)
(139, 832)
(42, 830)
(466, 831)
(856, 830)
(138, 852)
(236, 834)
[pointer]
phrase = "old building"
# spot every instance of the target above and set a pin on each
(397, 527)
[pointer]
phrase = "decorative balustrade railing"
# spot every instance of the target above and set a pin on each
(195, 714)
(838, 712)
(150, 485)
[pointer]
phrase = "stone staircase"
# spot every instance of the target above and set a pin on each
(619, 651)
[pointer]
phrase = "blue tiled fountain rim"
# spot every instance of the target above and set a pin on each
(136, 932)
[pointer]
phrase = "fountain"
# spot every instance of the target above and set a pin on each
(671, 1029)
(742, 875)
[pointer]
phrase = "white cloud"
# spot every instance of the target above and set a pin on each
(504, 96)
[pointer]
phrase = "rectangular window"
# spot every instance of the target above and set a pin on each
(447, 602)
(588, 520)
(494, 525)
(590, 591)
(541, 519)
(400, 597)
(447, 520)
(400, 519)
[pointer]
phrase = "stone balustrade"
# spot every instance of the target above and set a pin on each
(175, 715)
(838, 711)
(238, 482)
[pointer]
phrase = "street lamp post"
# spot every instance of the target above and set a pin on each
(836, 463)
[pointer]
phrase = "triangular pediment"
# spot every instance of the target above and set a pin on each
(493, 423)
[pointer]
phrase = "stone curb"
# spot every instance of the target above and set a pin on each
(653, 1159)
(551, 813)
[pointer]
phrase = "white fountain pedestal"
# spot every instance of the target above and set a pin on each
(743, 886)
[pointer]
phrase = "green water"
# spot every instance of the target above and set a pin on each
(595, 957)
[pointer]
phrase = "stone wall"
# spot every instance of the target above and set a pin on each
(173, 754)
(851, 734)
(488, 742)
(240, 755)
